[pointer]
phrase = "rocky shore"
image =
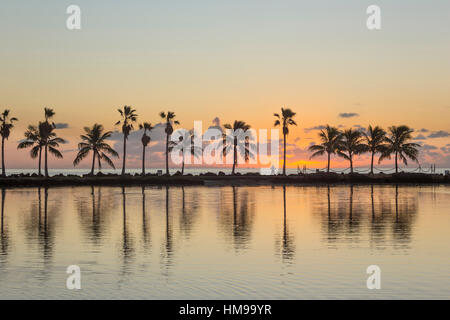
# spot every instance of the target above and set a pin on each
(210, 179)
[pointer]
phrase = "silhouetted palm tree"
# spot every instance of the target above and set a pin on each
(351, 145)
(186, 145)
(94, 140)
(169, 116)
(397, 144)
(51, 143)
(375, 138)
(128, 117)
(48, 114)
(231, 141)
(48, 137)
(331, 139)
(285, 120)
(146, 126)
(6, 124)
(33, 139)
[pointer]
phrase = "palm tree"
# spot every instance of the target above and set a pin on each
(286, 119)
(186, 141)
(145, 141)
(331, 139)
(351, 145)
(94, 140)
(49, 138)
(6, 124)
(50, 142)
(128, 117)
(375, 138)
(48, 113)
(231, 141)
(169, 116)
(397, 143)
(33, 139)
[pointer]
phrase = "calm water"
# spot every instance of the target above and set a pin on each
(289, 242)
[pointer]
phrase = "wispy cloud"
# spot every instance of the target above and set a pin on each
(61, 125)
(420, 137)
(348, 115)
(428, 147)
(439, 134)
(320, 127)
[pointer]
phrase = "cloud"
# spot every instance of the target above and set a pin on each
(348, 115)
(423, 130)
(446, 149)
(69, 150)
(320, 127)
(157, 134)
(295, 152)
(439, 134)
(359, 128)
(428, 147)
(420, 137)
(61, 125)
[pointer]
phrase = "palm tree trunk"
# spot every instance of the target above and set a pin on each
(284, 205)
(93, 162)
(143, 160)
(328, 168)
(40, 157)
(351, 164)
(234, 156)
(3, 157)
(284, 156)
(396, 163)
(46, 160)
(371, 163)
(167, 154)
(124, 153)
(182, 165)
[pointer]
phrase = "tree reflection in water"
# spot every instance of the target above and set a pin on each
(4, 238)
(374, 212)
(189, 210)
(236, 216)
(93, 214)
(287, 242)
(146, 239)
(167, 247)
(40, 223)
(127, 240)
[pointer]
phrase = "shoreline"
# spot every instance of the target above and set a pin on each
(211, 179)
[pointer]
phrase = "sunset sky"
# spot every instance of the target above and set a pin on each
(220, 61)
